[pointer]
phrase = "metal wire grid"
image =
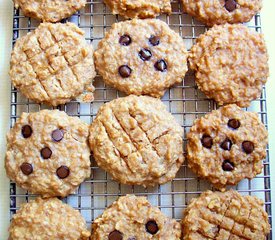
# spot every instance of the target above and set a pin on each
(184, 101)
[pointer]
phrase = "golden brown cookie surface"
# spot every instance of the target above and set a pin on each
(137, 141)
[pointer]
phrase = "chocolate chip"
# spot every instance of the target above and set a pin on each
(115, 235)
(226, 144)
(161, 65)
(152, 227)
(63, 172)
(57, 135)
(125, 40)
(124, 71)
(46, 152)
(230, 5)
(132, 238)
(206, 141)
(234, 123)
(26, 168)
(26, 131)
(227, 166)
(248, 147)
(154, 40)
(145, 54)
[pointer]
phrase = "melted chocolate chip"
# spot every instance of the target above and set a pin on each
(26, 168)
(161, 65)
(154, 40)
(145, 54)
(226, 144)
(234, 123)
(63, 172)
(124, 71)
(26, 131)
(115, 235)
(57, 135)
(125, 40)
(227, 166)
(248, 147)
(46, 152)
(152, 227)
(230, 5)
(206, 141)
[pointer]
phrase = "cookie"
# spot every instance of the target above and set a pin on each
(44, 219)
(228, 215)
(139, 8)
(53, 64)
(137, 141)
(48, 153)
(49, 10)
(212, 12)
(231, 64)
(226, 146)
(142, 57)
(133, 218)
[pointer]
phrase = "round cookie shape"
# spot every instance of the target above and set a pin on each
(227, 215)
(53, 64)
(42, 165)
(44, 219)
(231, 64)
(212, 12)
(139, 8)
(137, 141)
(226, 146)
(141, 57)
(49, 10)
(133, 218)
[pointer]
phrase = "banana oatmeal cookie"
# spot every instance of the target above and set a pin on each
(48, 219)
(49, 10)
(226, 146)
(142, 57)
(213, 12)
(48, 153)
(224, 216)
(133, 218)
(53, 64)
(137, 141)
(139, 8)
(231, 64)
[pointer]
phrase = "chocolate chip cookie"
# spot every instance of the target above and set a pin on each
(47, 153)
(142, 57)
(44, 219)
(133, 218)
(53, 64)
(231, 64)
(139, 8)
(137, 141)
(226, 146)
(49, 10)
(213, 12)
(228, 215)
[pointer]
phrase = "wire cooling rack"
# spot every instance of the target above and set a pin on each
(184, 101)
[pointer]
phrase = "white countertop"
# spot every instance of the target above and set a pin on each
(6, 11)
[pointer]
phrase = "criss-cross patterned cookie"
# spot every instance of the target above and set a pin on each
(49, 10)
(142, 57)
(53, 64)
(225, 216)
(133, 218)
(47, 153)
(213, 12)
(48, 219)
(137, 141)
(226, 146)
(139, 8)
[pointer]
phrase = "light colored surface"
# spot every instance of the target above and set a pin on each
(268, 22)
